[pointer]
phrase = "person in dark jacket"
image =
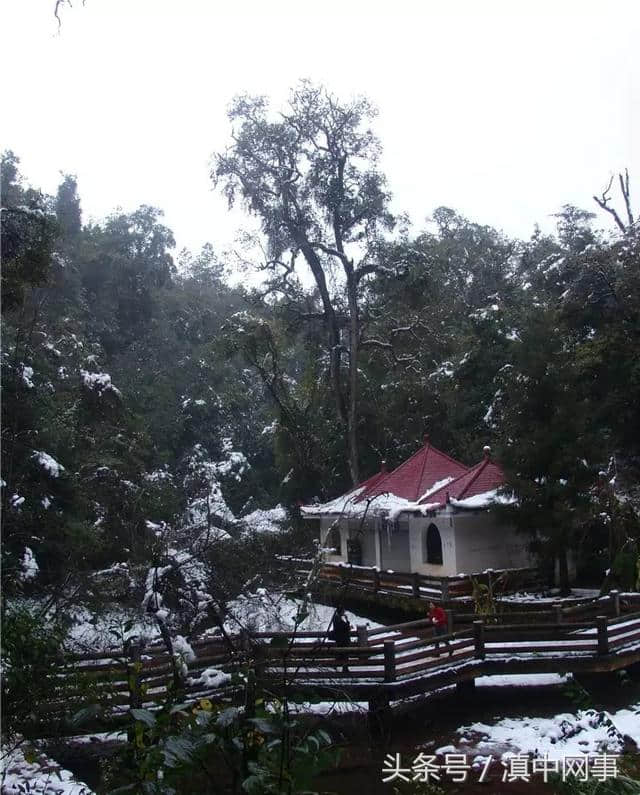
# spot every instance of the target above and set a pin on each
(341, 634)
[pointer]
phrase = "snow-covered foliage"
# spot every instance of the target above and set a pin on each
(90, 631)
(99, 383)
(29, 566)
(209, 678)
(267, 611)
(183, 654)
(210, 505)
(158, 476)
(26, 374)
(48, 463)
(265, 521)
(38, 775)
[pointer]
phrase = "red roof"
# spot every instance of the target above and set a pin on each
(369, 483)
(483, 477)
(413, 479)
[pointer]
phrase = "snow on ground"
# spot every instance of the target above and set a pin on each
(265, 611)
(327, 707)
(522, 680)
(551, 596)
(566, 734)
(40, 776)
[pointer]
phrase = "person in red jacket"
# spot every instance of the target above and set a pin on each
(439, 620)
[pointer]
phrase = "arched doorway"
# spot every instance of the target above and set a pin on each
(334, 540)
(433, 546)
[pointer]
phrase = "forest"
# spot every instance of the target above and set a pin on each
(165, 413)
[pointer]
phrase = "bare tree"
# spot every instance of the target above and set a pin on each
(603, 201)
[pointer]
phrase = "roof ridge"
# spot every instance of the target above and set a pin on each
(448, 485)
(427, 448)
(388, 474)
(480, 466)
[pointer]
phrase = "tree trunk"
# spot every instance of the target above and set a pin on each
(563, 572)
(347, 414)
(352, 417)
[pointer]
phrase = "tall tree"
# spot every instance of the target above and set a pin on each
(68, 207)
(311, 176)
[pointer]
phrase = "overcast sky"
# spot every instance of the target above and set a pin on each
(502, 110)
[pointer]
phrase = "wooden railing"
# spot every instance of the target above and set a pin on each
(400, 655)
(422, 586)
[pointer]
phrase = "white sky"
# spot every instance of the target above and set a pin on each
(501, 110)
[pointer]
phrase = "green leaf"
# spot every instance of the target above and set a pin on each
(178, 749)
(324, 736)
(85, 714)
(179, 708)
(264, 725)
(144, 716)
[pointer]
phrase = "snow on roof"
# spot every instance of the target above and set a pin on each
(484, 500)
(344, 504)
(398, 491)
(481, 481)
(471, 488)
(417, 476)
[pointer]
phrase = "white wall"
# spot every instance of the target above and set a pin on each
(481, 543)
(326, 524)
(471, 542)
(417, 527)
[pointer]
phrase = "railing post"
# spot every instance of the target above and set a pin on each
(343, 575)
(133, 652)
(558, 608)
(444, 585)
(363, 637)
(449, 621)
(603, 637)
(478, 636)
(415, 584)
(615, 596)
(389, 660)
(376, 580)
